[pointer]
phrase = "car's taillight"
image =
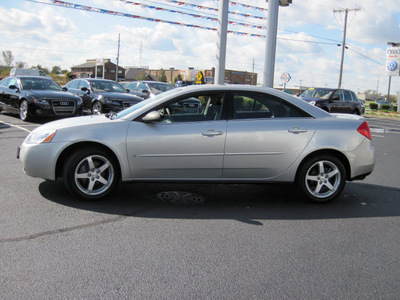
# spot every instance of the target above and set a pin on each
(364, 130)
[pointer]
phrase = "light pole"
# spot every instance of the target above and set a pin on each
(221, 44)
(270, 45)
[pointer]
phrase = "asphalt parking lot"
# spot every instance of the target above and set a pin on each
(230, 242)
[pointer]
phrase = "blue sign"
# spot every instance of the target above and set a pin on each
(392, 66)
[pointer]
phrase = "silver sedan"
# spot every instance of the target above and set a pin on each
(241, 134)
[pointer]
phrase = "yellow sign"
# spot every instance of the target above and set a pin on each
(199, 78)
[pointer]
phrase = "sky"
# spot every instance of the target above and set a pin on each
(38, 32)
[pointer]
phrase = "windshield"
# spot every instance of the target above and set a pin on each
(141, 104)
(31, 83)
(315, 92)
(106, 86)
(157, 88)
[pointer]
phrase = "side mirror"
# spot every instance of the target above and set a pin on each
(336, 98)
(65, 89)
(13, 87)
(85, 89)
(128, 90)
(153, 116)
(146, 91)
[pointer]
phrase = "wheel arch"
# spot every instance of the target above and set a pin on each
(22, 99)
(330, 152)
(70, 149)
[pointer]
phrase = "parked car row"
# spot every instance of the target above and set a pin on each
(35, 95)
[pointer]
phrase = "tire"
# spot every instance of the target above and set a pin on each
(322, 178)
(24, 113)
(97, 108)
(90, 173)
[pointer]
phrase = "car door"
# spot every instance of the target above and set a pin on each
(183, 145)
(12, 96)
(336, 102)
(86, 95)
(265, 135)
(348, 102)
(4, 92)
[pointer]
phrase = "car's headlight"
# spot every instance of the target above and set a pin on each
(41, 136)
(112, 102)
(40, 101)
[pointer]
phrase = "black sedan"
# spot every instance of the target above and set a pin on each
(101, 95)
(31, 96)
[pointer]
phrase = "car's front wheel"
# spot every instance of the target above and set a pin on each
(97, 108)
(24, 113)
(91, 173)
(322, 178)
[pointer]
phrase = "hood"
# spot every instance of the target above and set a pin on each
(52, 95)
(75, 122)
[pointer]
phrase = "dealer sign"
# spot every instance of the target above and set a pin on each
(393, 61)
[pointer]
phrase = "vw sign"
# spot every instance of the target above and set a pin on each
(393, 61)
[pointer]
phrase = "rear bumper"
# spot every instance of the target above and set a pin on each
(362, 161)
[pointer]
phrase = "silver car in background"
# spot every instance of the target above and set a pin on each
(242, 134)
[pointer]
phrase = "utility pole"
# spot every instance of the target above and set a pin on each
(346, 11)
(116, 69)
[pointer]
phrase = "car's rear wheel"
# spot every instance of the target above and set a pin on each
(24, 113)
(91, 173)
(322, 178)
(97, 108)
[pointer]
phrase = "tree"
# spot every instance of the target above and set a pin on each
(21, 64)
(177, 78)
(141, 76)
(8, 58)
(56, 70)
(44, 69)
(162, 77)
(372, 95)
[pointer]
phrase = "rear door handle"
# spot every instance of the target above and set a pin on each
(297, 130)
(212, 133)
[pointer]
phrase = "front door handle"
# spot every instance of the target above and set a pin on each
(297, 130)
(212, 133)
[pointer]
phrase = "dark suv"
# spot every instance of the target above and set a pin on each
(333, 100)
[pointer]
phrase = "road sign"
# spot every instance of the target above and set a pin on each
(200, 78)
(285, 77)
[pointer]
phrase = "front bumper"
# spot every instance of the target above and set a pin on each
(39, 160)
